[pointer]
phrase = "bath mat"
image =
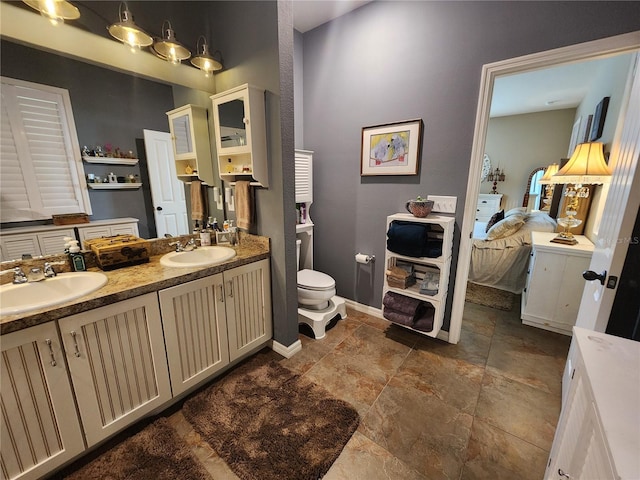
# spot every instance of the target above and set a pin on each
(156, 452)
(489, 297)
(267, 422)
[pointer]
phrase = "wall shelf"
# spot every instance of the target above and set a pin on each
(110, 160)
(113, 186)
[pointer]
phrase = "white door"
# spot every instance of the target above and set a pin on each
(618, 217)
(167, 192)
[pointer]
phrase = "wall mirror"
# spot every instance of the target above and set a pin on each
(232, 127)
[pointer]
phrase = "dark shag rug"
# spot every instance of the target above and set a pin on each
(267, 422)
(489, 297)
(156, 452)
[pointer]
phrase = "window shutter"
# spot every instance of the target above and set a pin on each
(45, 175)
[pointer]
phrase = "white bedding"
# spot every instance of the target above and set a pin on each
(502, 263)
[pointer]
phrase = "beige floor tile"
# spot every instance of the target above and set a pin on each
(494, 454)
(473, 347)
(519, 409)
(479, 319)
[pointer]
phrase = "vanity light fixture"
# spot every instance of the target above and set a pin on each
(168, 47)
(127, 31)
(586, 166)
(57, 11)
(203, 60)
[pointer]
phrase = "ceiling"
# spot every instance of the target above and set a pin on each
(309, 14)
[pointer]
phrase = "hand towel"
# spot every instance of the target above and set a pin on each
(403, 304)
(244, 205)
(398, 317)
(197, 202)
(407, 238)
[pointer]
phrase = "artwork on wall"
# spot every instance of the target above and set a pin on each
(575, 136)
(391, 149)
(584, 137)
(598, 119)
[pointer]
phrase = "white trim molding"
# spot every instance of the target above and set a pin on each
(286, 352)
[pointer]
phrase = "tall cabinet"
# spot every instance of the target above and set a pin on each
(441, 231)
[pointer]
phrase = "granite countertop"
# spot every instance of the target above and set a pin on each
(137, 280)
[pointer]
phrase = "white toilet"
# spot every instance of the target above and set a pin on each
(318, 303)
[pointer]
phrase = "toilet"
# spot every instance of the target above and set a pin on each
(318, 303)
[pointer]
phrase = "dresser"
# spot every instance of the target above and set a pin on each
(488, 204)
(553, 291)
(598, 433)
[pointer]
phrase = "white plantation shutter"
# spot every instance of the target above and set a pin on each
(304, 176)
(41, 171)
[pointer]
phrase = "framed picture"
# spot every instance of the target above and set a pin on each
(391, 149)
(598, 119)
(575, 136)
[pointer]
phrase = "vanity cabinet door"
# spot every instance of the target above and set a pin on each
(118, 365)
(14, 246)
(248, 307)
(195, 331)
(40, 427)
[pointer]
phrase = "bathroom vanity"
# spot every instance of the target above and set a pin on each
(147, 338)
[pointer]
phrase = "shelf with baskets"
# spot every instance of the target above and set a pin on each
(425, 268)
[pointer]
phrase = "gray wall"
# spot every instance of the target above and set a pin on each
(108, 107)
(392, 61)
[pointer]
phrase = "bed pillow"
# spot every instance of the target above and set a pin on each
(506, 227)
(515, 211)
(495, 218)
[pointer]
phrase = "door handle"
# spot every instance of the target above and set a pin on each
(590, 276)
(159, 209)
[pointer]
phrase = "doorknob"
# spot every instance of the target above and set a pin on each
(590, 275)
(159, 209)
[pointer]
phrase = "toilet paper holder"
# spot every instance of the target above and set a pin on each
(364, 258)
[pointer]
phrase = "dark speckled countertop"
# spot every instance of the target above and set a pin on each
(136, 280)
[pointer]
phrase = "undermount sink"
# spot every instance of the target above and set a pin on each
(200, 257)
(25, 297)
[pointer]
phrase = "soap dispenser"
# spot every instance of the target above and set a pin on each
(77, 259)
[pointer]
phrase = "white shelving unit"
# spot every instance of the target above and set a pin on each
(110, 160)
(113, 186)
(442, 230)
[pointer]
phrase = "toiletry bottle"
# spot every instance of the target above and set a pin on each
(225, 226)
(205, 237)
(303, 213)
(196, 228)
(76, 257)
(67, 244)
(215, 225)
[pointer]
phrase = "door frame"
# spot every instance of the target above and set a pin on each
(610, 46)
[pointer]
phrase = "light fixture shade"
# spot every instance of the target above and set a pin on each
(168, 47)
(203, 60)
(127, 31)
(551, 170)
(586, 166)
(55, 9)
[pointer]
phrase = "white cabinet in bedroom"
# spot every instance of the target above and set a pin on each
(554, 287)
(488, 204)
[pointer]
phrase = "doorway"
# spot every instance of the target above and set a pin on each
(589, 51)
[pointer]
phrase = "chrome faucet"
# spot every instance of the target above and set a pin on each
(18, 275)
(35, 275)
(49, 272)
(187, 247)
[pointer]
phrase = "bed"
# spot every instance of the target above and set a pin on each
(499, 257)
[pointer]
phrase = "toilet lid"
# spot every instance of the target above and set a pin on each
(312, 280)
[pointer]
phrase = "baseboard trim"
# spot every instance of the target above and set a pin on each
(286, 352)
(377, 312)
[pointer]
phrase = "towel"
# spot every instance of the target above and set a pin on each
(424, 322)
(244, 205)
(398, 317)
(407, 238)
(400, 303)
(197, 202)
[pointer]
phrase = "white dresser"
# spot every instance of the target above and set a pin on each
(488, 204)
(553, 292)
(598, 433)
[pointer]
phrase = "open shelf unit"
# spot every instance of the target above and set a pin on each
(441, 231)
(110, 160)
(113, 186)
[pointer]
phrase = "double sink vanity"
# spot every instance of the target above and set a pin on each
(78, 370)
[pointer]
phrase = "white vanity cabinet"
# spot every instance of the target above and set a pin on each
(116, 356)
(213, 321)
(488, 204)
(598, 433)
(40, 426)
(34, 241)
(553, 291)
(241, 136)
(441, 231)
(189, 130)
(108, 228)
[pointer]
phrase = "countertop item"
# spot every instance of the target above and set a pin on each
(137, 280)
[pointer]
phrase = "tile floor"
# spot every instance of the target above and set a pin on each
(483, 409)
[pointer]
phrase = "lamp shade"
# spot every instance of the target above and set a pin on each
(551, 170)
(128, 32)
(55, 9)
(586, 166)
(169, 48)
(203, 60)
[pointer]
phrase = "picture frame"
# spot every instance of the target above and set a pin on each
(391, 148)
(575, 136)
(598, 119)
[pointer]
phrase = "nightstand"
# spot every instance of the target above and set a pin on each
(488, 204)
(554, 287)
